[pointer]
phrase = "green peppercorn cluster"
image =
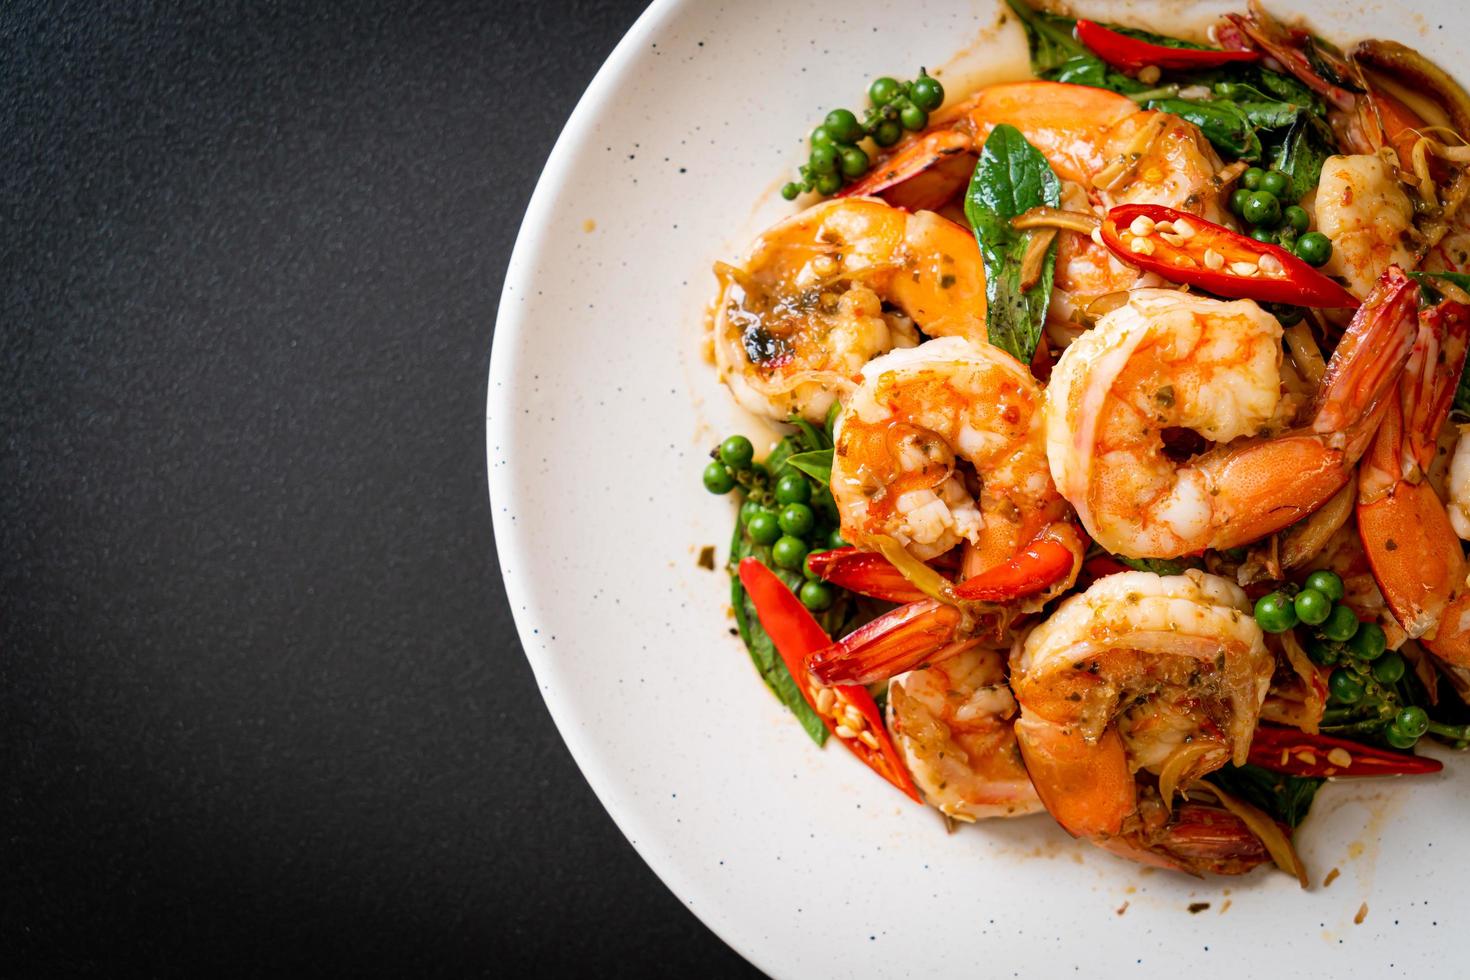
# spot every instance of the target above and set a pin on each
(836, 153)
(777, 513)
(1365, 682)
(1259, 203)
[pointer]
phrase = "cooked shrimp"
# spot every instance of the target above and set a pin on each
(1362, 207)
(940, 444)
(1408, 533)
(1090, 136)
(1141, 673)
(1168, 360)
(826, 290)
(1157, 158)
(952, 722)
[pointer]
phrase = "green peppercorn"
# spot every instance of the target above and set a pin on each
(1345, 686)
(717, 478)
(1398, 738)
(1296, 218)
(883, 90)
(1313, 248)
(1369, 642)
(793, 488)
(737, 452)
(1312, 607)
(1262, 209)
(816, 596)
(913, 118)
(1328, 583)
(763, 528)
(854, 162)
(796, 519)
(1274, 613)
(1277, 183)
(823, 159)
(1388, 668)
(1322, 652)
(926, 92)
(1251, 179)
(843, 126)
(1341, 625)
(1412, 721)
(788, 552)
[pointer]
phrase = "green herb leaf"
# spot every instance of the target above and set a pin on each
(1285, 797)
(1224, 124)
(816, 464)
(1011, 178)
(763, 651)
(1270, 115)
(1058, 56)
(1307, 145)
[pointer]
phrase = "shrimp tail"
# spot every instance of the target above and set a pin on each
(1271, 483)
(1085, 784)
(866, 573)
(904, 639)
(1055, 555)
(921, 175)
(1367, 364)
(1407, 535)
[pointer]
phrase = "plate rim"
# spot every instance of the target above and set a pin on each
(529, 242)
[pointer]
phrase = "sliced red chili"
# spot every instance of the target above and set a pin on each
(1296, 753)
(1131, 54)
(797, 635)
(1216, 259)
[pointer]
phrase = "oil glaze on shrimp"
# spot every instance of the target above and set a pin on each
(1167, 360)
(828, 289)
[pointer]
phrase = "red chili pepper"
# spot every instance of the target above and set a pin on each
(1131, 54)
(797, 635)
(1216, 259)
(1299, 754)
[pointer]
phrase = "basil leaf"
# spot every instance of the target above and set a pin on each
(1011, 178)
(1300, 156)
(816, 464)
(1057, 55)
(763, 654)
(1270, 115)
(1285, 797)
(1224, 124)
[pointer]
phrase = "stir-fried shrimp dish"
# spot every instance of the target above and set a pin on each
(1123, 467)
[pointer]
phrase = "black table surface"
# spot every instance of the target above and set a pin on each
(263, 704)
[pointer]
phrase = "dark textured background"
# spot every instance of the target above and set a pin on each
(262, 703)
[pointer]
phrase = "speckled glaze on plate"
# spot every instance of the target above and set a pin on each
(600, 408)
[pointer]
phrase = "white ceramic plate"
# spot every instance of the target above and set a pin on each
(600, 410)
